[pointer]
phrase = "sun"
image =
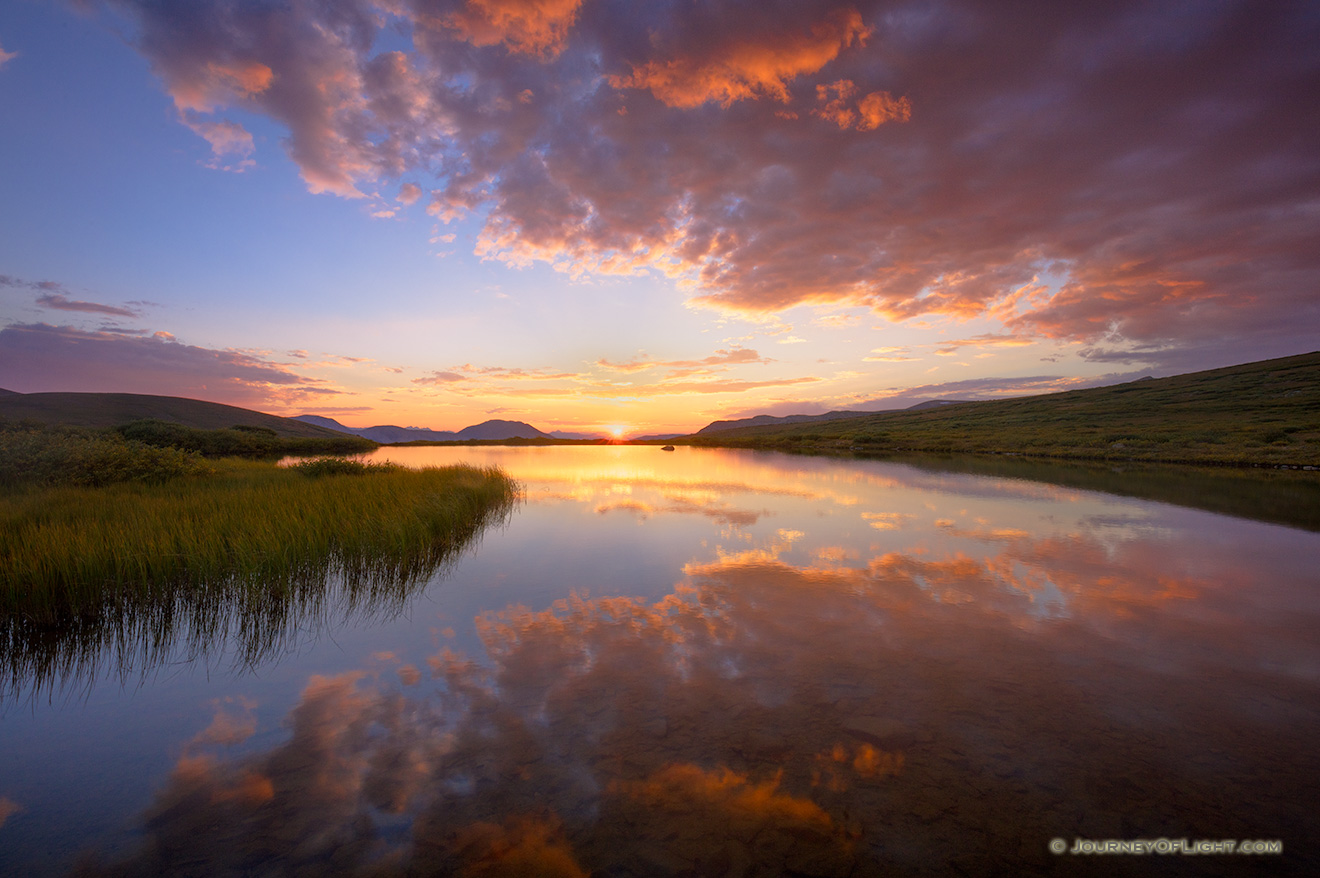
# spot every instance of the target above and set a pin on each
(617, 430)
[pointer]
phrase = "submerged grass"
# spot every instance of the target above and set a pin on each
(251, 546)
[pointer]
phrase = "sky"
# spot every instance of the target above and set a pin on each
(610, 216)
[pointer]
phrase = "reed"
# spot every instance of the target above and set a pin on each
(247, 554)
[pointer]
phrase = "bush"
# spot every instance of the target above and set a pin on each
(341, 466)
(240, 441)
(69, 456)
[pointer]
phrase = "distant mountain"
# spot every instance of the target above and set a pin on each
(656, 437)
(4, 392)
(113, 409)
(560, 434)
(501, 430)
(384, 434)
(389, 433)
(768, 420)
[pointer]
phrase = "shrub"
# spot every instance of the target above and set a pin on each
(341, 466)
(70, 456)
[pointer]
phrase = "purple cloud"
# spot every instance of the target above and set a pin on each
(39, 357)
(1155, 162)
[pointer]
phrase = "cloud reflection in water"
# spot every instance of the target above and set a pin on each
(902, 712)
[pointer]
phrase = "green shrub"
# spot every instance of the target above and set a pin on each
(240, 441)
(69, 456)
(341, 466)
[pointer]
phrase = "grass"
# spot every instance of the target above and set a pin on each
(1258, 414)
(174, 546)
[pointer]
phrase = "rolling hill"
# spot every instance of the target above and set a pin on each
(1264, 413)
(775, 420)
(114, 409)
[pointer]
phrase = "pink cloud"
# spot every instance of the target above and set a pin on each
(39, 357)
(1155, 164)
(228, 140)
(409, 193)
(731, 357)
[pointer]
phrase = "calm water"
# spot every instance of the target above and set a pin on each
(718, 663)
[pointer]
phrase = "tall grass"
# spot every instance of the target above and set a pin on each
(253, 549)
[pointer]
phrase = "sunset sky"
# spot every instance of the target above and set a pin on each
(595, 213)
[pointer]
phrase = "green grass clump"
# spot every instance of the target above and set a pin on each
(341, 466)
(37, 455)
(253, 550)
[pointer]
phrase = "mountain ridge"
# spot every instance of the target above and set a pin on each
(782, 420)
(388, 434)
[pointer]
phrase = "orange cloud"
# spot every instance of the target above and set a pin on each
(747, 70)
(867, 114)
(689, 789)
(530, 27)
(216, 83)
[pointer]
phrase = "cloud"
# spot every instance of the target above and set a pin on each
(439, 378)
(1044, 166)
(746, 68)
(55, 296)
(409, 193)
(60, 302)
(866, 114)
(229, 140)
(730, 357)
(5, 58)
(39, 357)
(533, 27)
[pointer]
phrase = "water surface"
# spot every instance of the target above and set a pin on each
(723, 663)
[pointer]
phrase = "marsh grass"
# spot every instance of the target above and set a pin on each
(250, 555)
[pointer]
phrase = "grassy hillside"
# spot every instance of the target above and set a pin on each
(1265, 413)
(114, 409)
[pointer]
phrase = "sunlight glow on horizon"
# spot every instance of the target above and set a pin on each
(277, 216)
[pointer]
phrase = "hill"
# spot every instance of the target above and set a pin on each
(115, 409)
(386, 434)
(390, 434)
(768, 420)
(1265, 413)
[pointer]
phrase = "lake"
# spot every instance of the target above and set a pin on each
(714, 662)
